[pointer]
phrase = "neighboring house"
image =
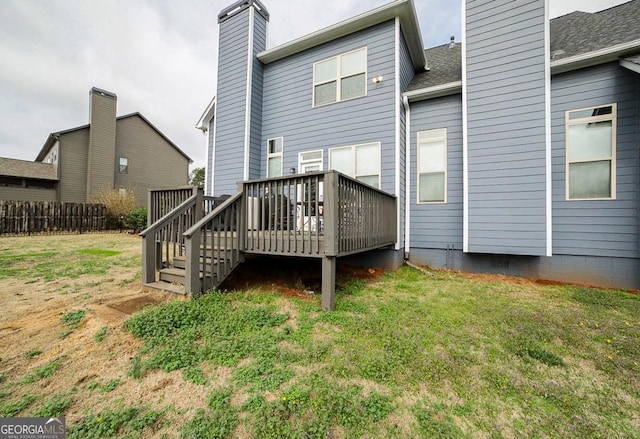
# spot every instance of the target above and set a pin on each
(515, 151)
(110, 153)
(22, 180)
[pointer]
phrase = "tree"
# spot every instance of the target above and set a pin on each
(196, 178)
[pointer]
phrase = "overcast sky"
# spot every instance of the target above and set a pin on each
(158, 56)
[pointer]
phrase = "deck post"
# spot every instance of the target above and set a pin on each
(192, 265)
(329, 283)
(242, 225)
(149, 258)
(199, 193)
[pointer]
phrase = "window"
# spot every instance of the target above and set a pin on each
(432, 166)
(123, 165)
(359, 161)
(274, 157)
(591, 153)
(310, 161)
(340, 78)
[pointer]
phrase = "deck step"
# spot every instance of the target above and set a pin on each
(166, 286)
(173, 275)
(180, 262)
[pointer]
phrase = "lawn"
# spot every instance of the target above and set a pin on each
(404, 355)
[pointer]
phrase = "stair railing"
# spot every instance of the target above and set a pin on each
(214, 246)
(163, 240)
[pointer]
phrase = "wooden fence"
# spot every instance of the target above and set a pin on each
(46, 217)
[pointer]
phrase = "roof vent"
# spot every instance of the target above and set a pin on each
(452, 43)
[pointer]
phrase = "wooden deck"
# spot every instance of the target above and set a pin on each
(200, 240)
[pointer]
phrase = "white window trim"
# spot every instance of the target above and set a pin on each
(275, 155)
(302, 162)
(446, 164)
(353, 161)
(339, 78)
(613, 117)
(126, 167)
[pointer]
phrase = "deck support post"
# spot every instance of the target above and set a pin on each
(149, 259)
(329, 283)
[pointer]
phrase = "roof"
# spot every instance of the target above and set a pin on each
(403, 9)
(26, 169)
(577, 40)
(582, 32)
(53, 137)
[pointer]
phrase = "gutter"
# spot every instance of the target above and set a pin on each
(434, 92)
(595, 57)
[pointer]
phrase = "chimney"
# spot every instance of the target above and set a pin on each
(101, 157)
(237, 147)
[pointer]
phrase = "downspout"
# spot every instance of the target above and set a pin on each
(407, 177)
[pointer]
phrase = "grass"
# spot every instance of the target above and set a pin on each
(408, 356)
(404, 355)
(66, 262)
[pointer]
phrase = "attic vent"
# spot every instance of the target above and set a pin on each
(452, 43)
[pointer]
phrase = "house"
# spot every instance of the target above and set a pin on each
(22, 180)
(108, 153)
(514, 151)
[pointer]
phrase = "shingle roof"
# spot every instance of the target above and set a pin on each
(572, 34)
(445, 66)
(582, 32)
(26, 169)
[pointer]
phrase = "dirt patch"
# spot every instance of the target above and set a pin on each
(136, 304)
(292, 277)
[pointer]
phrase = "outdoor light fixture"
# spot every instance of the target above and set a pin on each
(292, 170)
(377, 79)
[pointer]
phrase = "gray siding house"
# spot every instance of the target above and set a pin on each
(515, 151)
(122, 153)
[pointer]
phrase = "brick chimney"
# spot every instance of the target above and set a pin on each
(101, 156)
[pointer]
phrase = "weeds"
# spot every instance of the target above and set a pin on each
(32, 354)
(54, 407)
(101, 334)
(11, 409)
(118, 422)
(42, 372)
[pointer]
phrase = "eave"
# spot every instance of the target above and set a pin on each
(207, 116)
(403, 9)
(601, 56)
(436, 91)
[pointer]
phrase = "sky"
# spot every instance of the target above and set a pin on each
(158, 56)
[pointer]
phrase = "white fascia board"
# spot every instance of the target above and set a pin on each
(436, 91)
(402, 9)
(596, 57)
(630, 65)
(203, 122)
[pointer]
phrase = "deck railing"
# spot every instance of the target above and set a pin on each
(319, 214)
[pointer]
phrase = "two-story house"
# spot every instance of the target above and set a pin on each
(110, 153)
(516, 150)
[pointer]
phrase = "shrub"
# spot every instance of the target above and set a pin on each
(137, 219)
(119, 204)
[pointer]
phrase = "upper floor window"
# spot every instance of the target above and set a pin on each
(274, 157)
(432, 166)
(123, 165)
(591, 153)
(340, 78)
(359, 161)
